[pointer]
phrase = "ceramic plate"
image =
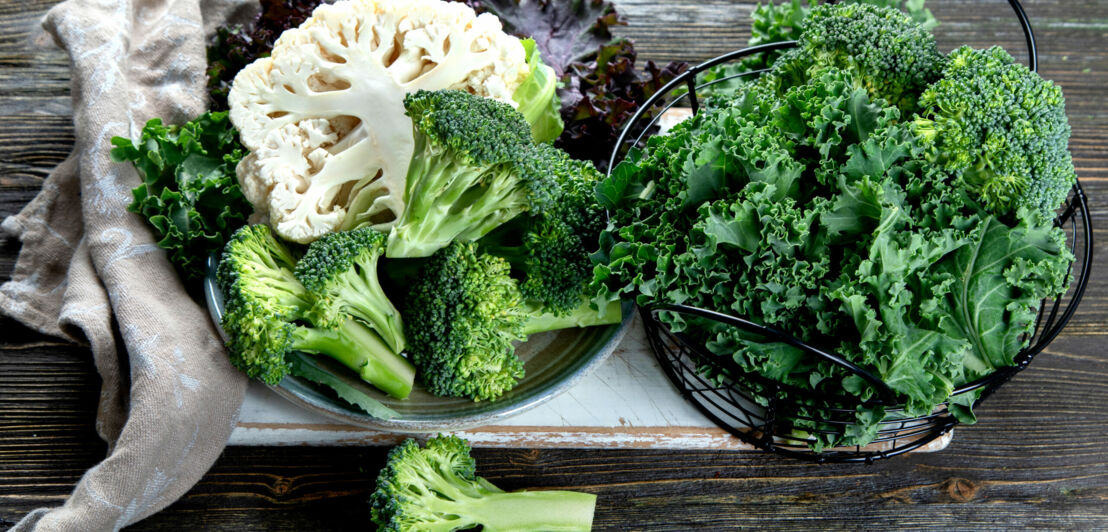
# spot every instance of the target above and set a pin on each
(554, 362)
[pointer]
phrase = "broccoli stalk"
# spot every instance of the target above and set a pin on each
(268, 315)
(436, 489)
(583, 315)
(358, 348)
(471, 170)
(340, 271)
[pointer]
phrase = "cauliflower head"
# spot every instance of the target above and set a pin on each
(323, 115)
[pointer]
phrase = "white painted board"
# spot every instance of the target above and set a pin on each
(627, 402)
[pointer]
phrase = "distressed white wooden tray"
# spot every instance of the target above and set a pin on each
(627, 402)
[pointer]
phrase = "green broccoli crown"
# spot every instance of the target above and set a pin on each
(261, 300)
(1002, 128)
(894, 56)
(268, 313)
(473, 168)
(414, 479)
(481, 131)
(550, 251)
(340, 271)
(463, 314)
(436, 489)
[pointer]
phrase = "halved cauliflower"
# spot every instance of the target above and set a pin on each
(323, 116)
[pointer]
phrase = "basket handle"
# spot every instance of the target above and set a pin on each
(887, 395)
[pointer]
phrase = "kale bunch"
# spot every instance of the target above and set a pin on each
(809, 200)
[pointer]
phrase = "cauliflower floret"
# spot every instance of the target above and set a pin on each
(323, 116)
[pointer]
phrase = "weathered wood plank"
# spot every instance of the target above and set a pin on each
(1036, 460)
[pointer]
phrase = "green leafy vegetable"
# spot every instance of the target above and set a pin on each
(188, 193)
(804, 201)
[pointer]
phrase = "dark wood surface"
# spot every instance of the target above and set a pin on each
(1038, 458)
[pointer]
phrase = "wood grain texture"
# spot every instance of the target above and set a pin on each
(1037, 460)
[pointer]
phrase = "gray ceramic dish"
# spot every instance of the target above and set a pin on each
(554, 361)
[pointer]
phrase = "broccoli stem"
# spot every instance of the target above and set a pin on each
(568, 511)
(361, 350)
(448, 200)
(582, 316)
(525, 511)
(367, 301)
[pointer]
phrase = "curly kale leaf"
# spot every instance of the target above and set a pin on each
(188, 193)
(804, 204)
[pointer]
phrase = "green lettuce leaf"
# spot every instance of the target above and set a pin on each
(189, 193)
(537, 97)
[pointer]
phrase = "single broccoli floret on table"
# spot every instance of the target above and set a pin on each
(550, 251)
(436, 489)
(463, 314)
(472, 170)
(340, 272)
(267, 315)
(892, 56)
(1002, 128)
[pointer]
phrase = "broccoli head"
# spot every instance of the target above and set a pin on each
(473, 169)
(340, 271)
(463, 314)
(436, 489)
(891, 55)
(267, 315)
(1002, 128)
(550, 251)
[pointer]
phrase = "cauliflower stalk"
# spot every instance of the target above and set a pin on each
(323, 116)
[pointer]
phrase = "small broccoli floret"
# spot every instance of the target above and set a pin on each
(436, 489)
(1002, 128)
(340, 272)
(464, 313)
(472, 170)
(550, 251)
(267, 315)
(892, 56)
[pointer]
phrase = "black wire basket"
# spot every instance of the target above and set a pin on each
(764, 412)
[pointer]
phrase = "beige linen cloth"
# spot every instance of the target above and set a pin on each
(89, 271)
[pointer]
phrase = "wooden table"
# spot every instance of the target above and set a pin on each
(1037, 459)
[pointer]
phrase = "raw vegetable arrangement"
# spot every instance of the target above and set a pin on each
(866, 194)
(425, 194)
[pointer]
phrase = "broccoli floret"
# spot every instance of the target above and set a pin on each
(550, 251)
(891, 55)
(472, 169)
(267, 315)
(436, 489)
(1002, 128)
(463, 314)
(340, 271)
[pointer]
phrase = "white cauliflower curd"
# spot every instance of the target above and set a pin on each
(323, 116)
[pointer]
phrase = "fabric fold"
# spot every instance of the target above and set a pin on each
(89, 271)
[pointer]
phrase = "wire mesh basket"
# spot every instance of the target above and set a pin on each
(768, 414)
